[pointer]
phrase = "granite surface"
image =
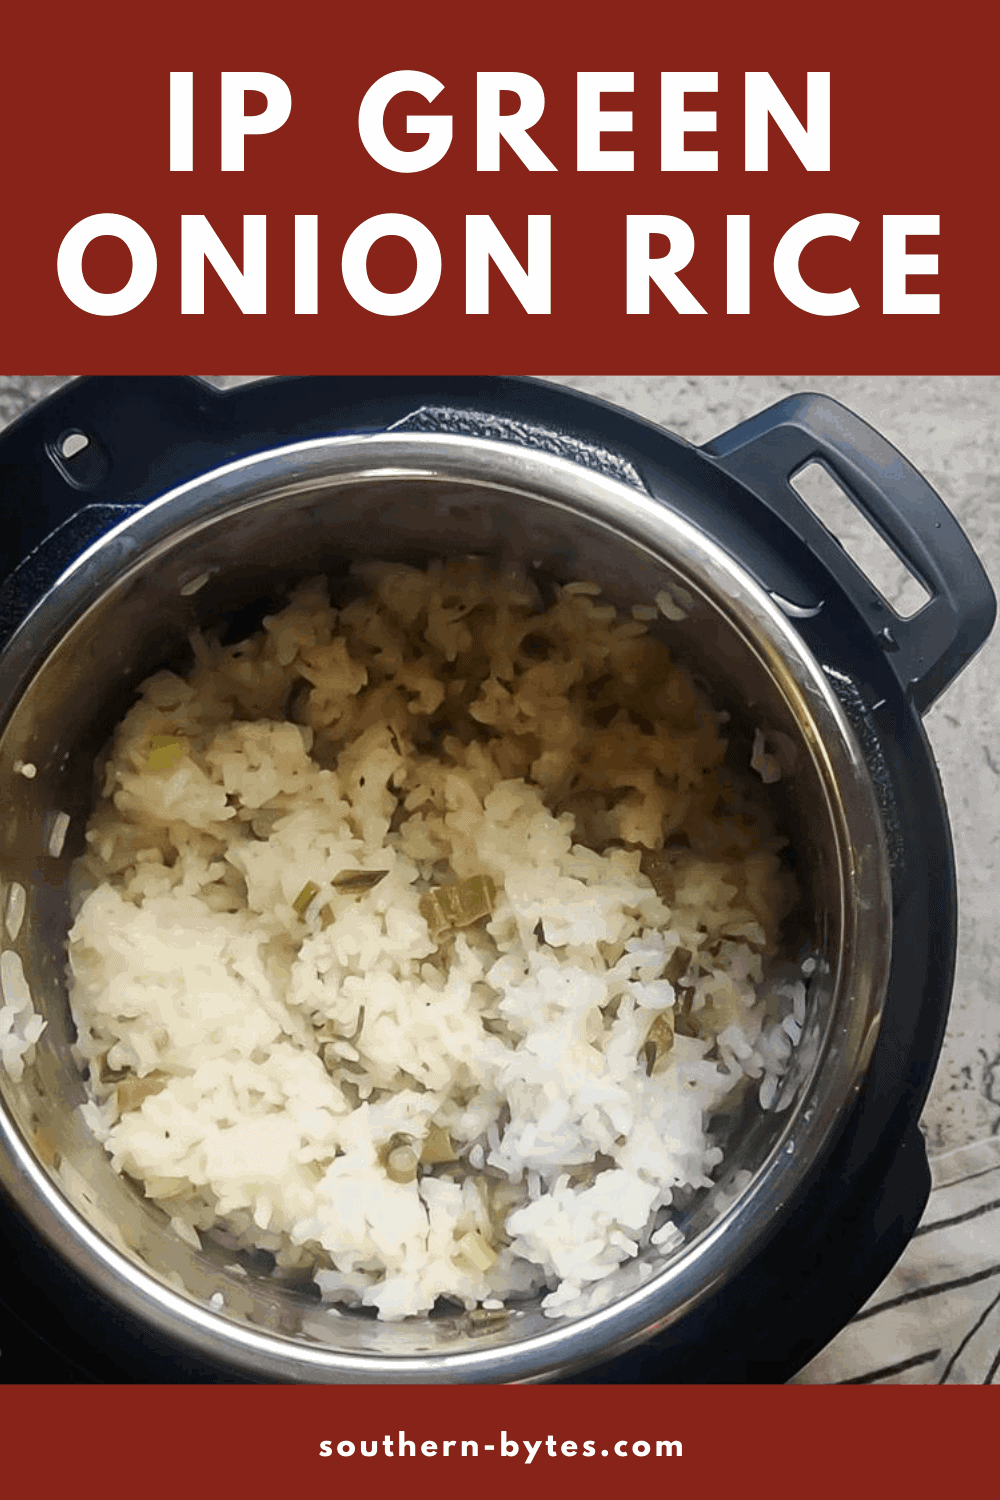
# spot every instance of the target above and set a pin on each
(948, 427)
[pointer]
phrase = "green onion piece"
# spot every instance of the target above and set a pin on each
(401, 1164)
(132, 1091)
(488, 1317)
(437, 1147)
(302, 900)
(458, 905)
(659, 1040)
(658, 867)
(478, 1250)
(165, 750)
(358, 880)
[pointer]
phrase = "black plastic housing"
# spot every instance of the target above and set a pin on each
(147, 435)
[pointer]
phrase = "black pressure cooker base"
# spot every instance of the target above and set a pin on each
(834, 1245)
(761, 1328)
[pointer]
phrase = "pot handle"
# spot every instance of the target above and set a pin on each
(927, 650)
(82, 461)
(90, 454)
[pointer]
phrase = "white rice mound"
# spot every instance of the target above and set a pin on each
(20, 1024)
(258, 1041)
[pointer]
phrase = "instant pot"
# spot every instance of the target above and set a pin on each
(136, 509)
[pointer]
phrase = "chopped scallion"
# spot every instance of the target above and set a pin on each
(478, 1250)
(358, 880)
(165, 750)
(401, 1164)
(458, 905)
(437, 1147)
(302, 900)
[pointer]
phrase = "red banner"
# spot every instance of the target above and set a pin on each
(651, 189)
(393, 188)
(585, 1441)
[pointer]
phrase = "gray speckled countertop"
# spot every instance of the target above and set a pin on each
(948, 427)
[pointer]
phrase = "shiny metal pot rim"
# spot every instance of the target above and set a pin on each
(509, 503)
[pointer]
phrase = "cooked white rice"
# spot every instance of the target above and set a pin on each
(270, 1053)
(20, 1024)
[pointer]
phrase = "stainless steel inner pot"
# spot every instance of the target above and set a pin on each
(125, 607)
